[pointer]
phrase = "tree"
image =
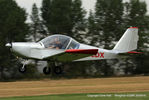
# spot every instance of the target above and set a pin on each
(108, 15)
(46, 12)
(13, 20)
(137, 16)
(12, 26)
(78, 20)
(63, 16)
(37, 29)
(92, 34)
(105, 27)
(56, 15)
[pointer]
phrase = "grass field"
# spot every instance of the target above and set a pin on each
(72, 89)
(92, 96)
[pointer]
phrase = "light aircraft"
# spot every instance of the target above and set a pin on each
(62, 49)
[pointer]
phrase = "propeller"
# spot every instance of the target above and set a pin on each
(9, 39)
(9, 44)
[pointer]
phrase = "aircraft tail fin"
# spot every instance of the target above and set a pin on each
(128, 41)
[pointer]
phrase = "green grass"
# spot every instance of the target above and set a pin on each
(92, 96)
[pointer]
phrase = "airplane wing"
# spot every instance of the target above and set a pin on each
(73, 54)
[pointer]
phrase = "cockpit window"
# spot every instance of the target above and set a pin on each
(60, 42)
(56, 42)
(73, 45)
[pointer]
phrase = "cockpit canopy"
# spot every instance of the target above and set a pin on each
(60, 42)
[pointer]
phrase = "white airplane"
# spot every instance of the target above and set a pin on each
(61, 48)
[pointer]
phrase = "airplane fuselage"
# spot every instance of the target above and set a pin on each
(39, 52)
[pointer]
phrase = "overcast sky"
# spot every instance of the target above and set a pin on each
(87, 4)
(27, 4)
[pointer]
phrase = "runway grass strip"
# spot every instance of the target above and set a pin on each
(88, 96)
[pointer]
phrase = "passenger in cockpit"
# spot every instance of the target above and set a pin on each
(56, 44)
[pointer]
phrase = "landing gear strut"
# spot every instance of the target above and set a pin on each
(22, 69)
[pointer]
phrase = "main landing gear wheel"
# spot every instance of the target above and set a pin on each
(22, 69)
(58, 70)
(46, 70)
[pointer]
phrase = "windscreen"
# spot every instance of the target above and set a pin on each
(56, 42)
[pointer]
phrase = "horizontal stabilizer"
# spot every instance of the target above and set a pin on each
(134, 52)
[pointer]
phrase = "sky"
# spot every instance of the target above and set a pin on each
(27, 4)
(87, 4)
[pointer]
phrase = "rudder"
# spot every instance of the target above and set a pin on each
(128, 41)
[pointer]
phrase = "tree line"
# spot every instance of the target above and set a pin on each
(102, 28)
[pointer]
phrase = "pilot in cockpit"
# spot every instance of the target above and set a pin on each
(56, 44)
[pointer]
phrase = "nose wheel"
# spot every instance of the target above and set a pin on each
(22, 69)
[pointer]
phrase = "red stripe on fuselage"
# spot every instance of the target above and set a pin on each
(133, 27)
(82, 51)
